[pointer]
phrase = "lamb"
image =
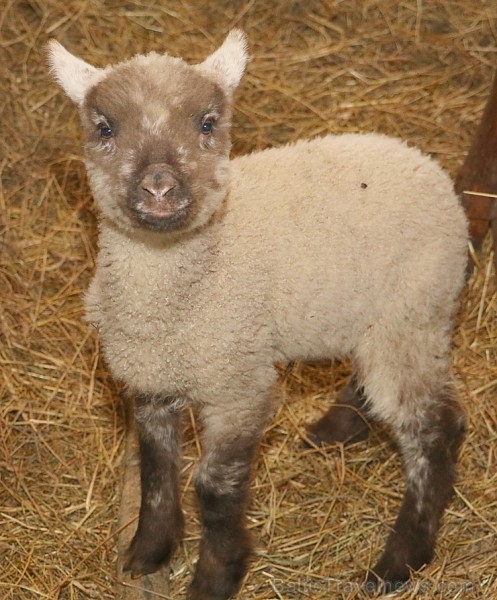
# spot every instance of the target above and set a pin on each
(210, 271)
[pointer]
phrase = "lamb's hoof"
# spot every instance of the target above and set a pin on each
(196, 592)
(408, 550)
(375, 585)
(340, 424)
(218, 580)
(144, 557)
(220, 590)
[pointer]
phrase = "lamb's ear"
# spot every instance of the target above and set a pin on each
(73, 75)
(230, 59)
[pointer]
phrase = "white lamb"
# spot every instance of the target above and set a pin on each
(212, 270)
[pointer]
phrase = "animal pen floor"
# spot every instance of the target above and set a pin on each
(418, 69)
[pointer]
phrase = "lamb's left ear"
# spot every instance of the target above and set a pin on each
(75, 76)
(230, 59)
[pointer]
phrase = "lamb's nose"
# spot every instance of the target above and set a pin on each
(157, 184)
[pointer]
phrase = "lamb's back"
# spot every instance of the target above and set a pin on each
(341, 223)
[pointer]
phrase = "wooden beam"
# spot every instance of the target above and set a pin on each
(479, 172)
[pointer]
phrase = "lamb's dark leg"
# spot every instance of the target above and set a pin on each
(155, 583)
(345, 421)
(430, 441)
(160, 524)
(222, 485)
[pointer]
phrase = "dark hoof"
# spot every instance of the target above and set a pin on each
(199, 593)
(146, 556)
(374, 585)
(218, 591)
(394, 568)
(340, 424)
(218, 580)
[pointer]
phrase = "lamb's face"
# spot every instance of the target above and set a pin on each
(157, 133)
(157, 144)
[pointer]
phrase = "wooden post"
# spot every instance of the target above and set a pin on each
(479, 174)
(149, 587)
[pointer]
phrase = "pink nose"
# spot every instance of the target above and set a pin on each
(157, 183)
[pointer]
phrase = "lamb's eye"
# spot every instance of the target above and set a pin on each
(105, 132)
(207, 127)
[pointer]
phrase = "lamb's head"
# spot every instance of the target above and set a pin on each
(157, 133)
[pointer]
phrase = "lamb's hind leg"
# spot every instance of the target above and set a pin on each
(429, 437)
(346, 419)
(160, 524)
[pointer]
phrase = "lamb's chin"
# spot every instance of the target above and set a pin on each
(164, 215)
(158, 221)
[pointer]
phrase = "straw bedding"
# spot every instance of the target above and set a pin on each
(418, 69)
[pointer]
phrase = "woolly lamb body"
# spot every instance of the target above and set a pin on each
(304, 264)
(352, 244)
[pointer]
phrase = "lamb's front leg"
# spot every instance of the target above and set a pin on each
(230, 442)
(160, 524)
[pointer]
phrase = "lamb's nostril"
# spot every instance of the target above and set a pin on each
(157, 184)
(158, 191)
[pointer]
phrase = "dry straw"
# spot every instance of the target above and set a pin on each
(418, 69)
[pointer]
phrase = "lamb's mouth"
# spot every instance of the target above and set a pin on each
(164, 215)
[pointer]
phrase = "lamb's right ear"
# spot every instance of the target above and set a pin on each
(75, 76)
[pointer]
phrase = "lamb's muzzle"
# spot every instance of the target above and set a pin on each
(160, 201)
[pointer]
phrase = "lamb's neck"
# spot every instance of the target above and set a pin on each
(175, 258)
